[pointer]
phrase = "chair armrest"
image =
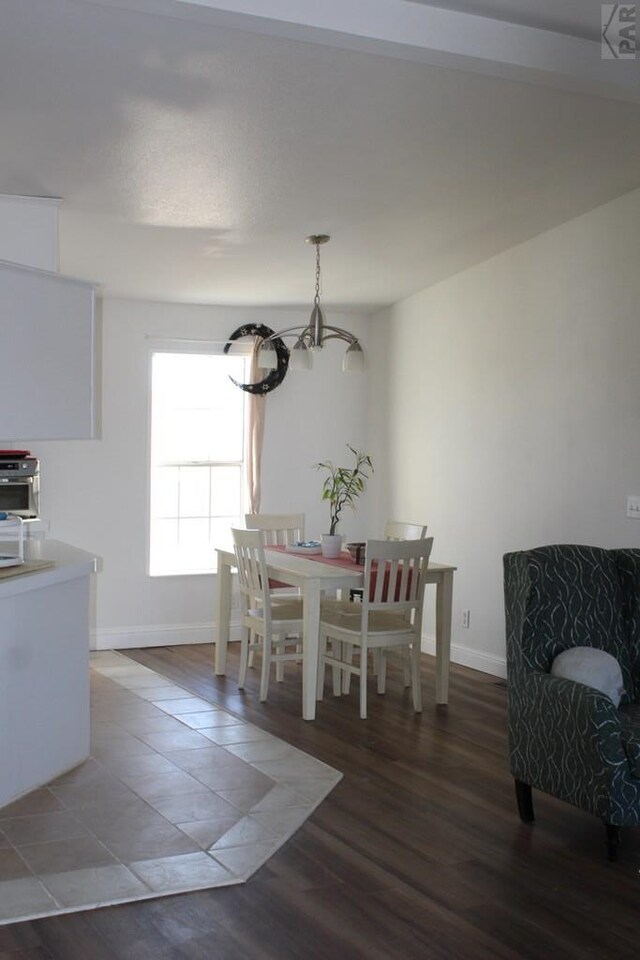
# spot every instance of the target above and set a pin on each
(565, 738)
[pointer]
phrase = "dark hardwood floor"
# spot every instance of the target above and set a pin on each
(417, 853)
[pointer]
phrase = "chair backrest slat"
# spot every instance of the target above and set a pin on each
(278, 529)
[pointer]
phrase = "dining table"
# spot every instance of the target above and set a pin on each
(315, 575)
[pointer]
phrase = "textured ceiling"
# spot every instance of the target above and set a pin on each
(193, 159)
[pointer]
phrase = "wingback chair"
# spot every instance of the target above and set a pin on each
(566, 738)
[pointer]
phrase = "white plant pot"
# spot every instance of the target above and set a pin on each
(331, 545)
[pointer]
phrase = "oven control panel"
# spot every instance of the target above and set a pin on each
(16, 469)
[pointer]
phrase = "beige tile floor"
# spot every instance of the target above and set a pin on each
(178, 794)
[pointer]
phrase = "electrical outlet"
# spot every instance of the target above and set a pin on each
(633, 507)
(466, 618)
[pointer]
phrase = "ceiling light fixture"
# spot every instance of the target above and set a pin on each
(315, 334)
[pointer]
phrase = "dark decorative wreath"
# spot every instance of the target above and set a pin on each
(275, 377)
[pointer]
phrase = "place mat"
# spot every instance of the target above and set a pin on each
(29, 566)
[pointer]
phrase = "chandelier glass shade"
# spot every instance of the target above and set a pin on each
(314, 335)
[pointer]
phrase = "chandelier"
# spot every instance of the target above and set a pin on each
(314, 335)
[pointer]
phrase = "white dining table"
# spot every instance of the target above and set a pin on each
(314, 578)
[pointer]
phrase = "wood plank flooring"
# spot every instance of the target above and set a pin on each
(417, 853)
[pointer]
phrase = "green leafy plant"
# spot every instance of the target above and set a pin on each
(343, 485)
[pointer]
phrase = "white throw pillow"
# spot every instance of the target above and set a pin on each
(595, 668)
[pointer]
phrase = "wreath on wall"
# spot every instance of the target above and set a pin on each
(274, 377)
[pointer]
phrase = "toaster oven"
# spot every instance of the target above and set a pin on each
(20, 486)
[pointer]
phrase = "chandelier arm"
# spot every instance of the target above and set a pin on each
(316, 332)
(339, 334)
(290, 332)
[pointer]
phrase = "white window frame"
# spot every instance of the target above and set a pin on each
(209, 347)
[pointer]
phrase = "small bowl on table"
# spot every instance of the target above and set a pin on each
(357, 551)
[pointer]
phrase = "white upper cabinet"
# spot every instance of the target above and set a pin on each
(48, 356)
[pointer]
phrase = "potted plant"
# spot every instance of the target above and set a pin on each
(341, 488)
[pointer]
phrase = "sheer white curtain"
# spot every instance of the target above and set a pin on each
(257, 408)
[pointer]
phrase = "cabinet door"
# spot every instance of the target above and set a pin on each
(47, 355)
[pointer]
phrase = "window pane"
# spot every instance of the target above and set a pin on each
(226, 488)
(164, 492)
(194, 492)
(183, 378)
(195, 551)
(197, 452)
(198, 412)
(164, 545)
(193, 533)
(221, 531)
(183, 436)
(226, 424)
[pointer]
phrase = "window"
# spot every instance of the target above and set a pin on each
(197, 457)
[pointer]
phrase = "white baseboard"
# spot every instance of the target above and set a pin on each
(127, 638)
(477, 659)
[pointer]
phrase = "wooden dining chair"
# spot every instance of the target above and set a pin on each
(389, 617)
(278, 529)
(396, 530)
(266, 625)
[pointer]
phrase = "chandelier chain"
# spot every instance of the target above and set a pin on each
(316, 299)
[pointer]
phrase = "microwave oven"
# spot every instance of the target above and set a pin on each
(20, 487)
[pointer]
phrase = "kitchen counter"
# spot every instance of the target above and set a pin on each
(68, 563)
(44, 668)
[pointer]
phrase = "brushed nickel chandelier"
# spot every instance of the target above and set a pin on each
(315, 334)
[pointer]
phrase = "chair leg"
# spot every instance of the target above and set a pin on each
(266, 667)
(251, 652)
(381, 668)
(347, 656)
(416, 685)
(336, 672)
(406, 666)
(280, 648)
(322, 649)
(364, 656)
(613, 841)
(525, 801)
(244, 656)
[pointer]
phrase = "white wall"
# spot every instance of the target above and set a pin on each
(94, 492)
(511, 414)
(29, 231)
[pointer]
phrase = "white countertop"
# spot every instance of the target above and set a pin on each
(70, 562)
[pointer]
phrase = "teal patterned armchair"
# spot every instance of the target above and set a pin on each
(565, 738)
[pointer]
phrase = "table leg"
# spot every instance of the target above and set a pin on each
(444, 602)
(223, 615)
(310, 642)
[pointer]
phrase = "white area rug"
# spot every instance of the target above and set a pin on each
(178, 795)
